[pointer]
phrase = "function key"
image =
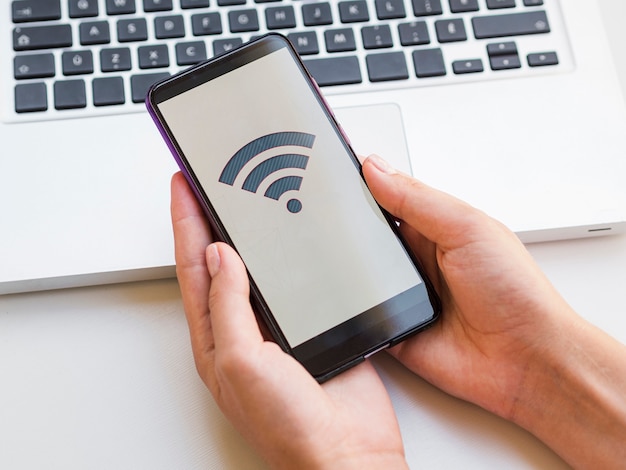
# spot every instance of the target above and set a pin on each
(316, 14)
(543, 58)
(42, 37)
(427, 7)
(194, 3)
(390, 9)
(83, 8)
(33, 66)
(120, 7)
(31, 97)
(496, 4)
(157, 5)
(462, 6)
(35, 10)
(353, 12)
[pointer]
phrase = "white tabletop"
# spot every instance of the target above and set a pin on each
(103, 377)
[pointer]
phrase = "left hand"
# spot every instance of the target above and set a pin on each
(270, 398)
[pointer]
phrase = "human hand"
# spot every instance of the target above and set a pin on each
(269, 397)
(498, 307)
(506, 340)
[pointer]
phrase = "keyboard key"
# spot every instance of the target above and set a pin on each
(467, 66)
(241, 21)
(316, 14)
(166, 27)
(154, 56)
(33, 66)
(35, 10)
(70, 94)
(194, 3)
(189, 53)
(31, 97)
(414, 33)
(543, 58)
(427, 7)
(220, 46)
(504, 62)
(94, 32)
(224, 3)
(108, 91)
(340, 40)
(280, 17)
(140, 84)
(533, 3)
(501, 48)
(514, 24)
(157, 5)
(495, 4)
(390, 9)
(120, 7)
(375, 37)
(83, 8)
(428, 63)
(42, 37)
(462, 6)
(77, 62)
(386, 66)
(450, 30)
(305, 43)
(204, 24)
(335, 70)
(115, 60)
(353, 12)
(132, 30)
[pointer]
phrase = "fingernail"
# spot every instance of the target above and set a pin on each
(381, 164)
(213, 259)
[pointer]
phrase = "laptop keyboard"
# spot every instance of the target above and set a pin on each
(90, 57)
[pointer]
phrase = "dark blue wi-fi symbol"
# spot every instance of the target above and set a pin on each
(271, 165)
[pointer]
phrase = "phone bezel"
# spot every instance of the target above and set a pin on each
(318, 357)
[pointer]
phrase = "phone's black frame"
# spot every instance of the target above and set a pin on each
(329, 353)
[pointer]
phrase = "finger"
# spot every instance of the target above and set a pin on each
(440, 217)
(234, 324)
(191, 237)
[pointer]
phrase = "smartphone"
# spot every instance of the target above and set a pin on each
(329, 273)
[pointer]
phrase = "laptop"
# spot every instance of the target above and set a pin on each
(511, 105)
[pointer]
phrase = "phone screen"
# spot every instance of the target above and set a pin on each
(287, 191)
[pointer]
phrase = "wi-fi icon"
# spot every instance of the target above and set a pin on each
(268, 166)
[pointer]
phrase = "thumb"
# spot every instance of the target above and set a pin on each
(232, 319)
(438, 216)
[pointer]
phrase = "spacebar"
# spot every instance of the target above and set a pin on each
(515, 24)
(334, 70)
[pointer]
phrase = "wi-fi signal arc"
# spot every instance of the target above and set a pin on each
(271, 165)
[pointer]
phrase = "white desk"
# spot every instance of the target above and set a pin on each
(103, 377)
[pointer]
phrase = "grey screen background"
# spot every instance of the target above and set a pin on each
(316, 268)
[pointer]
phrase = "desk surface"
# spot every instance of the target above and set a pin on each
(103, 377)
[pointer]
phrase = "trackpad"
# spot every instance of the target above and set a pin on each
(377, 129)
